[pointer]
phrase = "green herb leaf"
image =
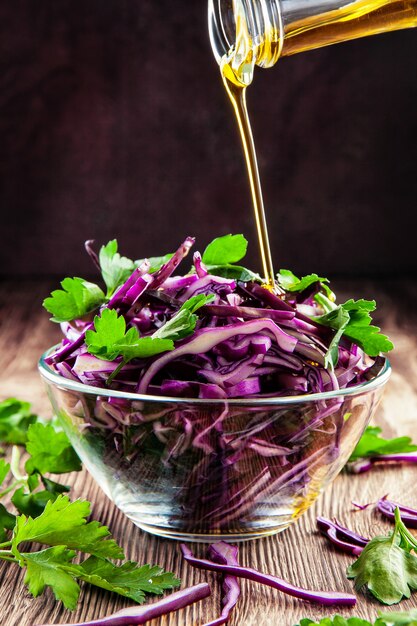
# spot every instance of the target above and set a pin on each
(76, 298)
(7, 522)
(403, 618)
(352, 320)
(32, 504)
(225, 250)
(156, 262)
(4, 470)
(290, 282)
(371, 444)
(65, 523)
(233, 272)
(128, 579)
(338, 620)
(386, 567)
(115, 269)
(51, 451)
(49, 568)
(15, 418)
(110, 339)
(183, 323)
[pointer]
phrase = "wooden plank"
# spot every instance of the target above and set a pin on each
(299, 554)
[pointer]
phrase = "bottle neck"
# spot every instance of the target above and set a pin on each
(245, 33)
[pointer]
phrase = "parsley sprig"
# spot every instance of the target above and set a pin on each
(372, 444)
(64, 528)
(79, 298)
(110, 339)
(351, 319)
(47, 517)
(222, 255)
(386, 566)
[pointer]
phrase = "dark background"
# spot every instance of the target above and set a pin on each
(113, 123)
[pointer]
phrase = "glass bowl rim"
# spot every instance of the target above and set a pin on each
(71, 385)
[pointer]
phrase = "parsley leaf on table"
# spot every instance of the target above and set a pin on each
(32, 503)
(338, 620)
(4, 470)
(49, 568)
(64, 528)
(15, 418)
(110, 339)
(403, 618)
(76, 298)
(371, 444)
(128, 579)
(115, 269)
(65, 523)
(386, 566)
(407, 618)
(51, 451)
(7, 522)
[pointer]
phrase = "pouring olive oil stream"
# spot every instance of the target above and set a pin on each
(246, 33)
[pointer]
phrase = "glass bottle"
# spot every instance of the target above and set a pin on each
(275, 28)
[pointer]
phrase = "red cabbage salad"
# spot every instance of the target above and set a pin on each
(216, 332)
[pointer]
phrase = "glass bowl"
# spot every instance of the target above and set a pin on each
(203, 470)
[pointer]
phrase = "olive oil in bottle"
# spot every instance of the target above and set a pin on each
(246, 33)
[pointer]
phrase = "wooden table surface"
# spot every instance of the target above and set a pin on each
(299, 554)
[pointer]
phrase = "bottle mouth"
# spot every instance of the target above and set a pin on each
(262, 20)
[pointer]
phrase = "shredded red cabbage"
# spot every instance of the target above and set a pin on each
(222, 552)
(321, 597)
(343, 538)
(408, 515)
(247, 342)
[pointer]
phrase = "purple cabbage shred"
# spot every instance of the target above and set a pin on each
(324, 598)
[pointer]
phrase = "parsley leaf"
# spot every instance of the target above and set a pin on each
(371, 444)
(225, 250)
(115, 269)
(183, 323)
(403, 618)
(4, 470)
(223, 253)
(48, 568)
(386, 566)
(338, 620)
(156, 262)
(352, 320)
(128, 579)
(233, 272)
(76, 298)
(7, 522)
(50, 451)
(64, 523)
(31, 503)
(290, 282)
(15, 418)
(110, 339)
